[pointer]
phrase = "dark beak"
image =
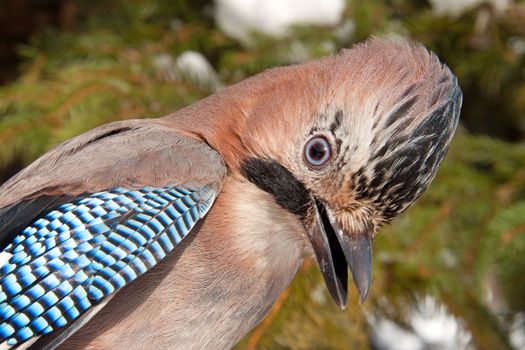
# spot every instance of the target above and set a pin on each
(337, 250)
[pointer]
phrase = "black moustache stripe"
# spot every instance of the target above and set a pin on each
(275, 179)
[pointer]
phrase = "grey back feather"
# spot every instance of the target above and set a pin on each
(131, 154)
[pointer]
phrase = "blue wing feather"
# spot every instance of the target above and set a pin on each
(81, 252)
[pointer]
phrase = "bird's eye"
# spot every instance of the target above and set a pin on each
(317, 151)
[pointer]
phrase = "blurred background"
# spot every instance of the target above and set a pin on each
(448, 274)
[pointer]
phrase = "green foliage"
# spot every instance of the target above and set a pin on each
(464, 234)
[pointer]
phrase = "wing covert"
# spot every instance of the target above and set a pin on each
(83, 251)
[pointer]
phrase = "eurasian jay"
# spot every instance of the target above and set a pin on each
(181, 232)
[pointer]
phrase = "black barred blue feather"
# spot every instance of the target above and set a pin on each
(74, 256)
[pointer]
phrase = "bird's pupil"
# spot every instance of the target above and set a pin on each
(317, 151)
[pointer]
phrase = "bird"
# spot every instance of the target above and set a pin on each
(180, 232)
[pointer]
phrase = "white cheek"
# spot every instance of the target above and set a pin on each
(266, 232)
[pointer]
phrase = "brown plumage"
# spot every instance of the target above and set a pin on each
(384, 112)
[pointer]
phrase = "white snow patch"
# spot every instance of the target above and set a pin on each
(430, 326)
(239, 18)
(517, 331)
(388, 335)
(435, 326)
(318, 294)
(194, 66)
(190, 65)
(457, 7)
(346, 30)
(165, 66)
(448, 258)
(517, 45)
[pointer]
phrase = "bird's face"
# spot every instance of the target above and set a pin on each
(361, 153)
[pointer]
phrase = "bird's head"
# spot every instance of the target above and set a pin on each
(353, 141)
(345, 143)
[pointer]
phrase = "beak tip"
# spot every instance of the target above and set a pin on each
(363, 294)
(363, 285)
(359, 256)
(338, 293)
